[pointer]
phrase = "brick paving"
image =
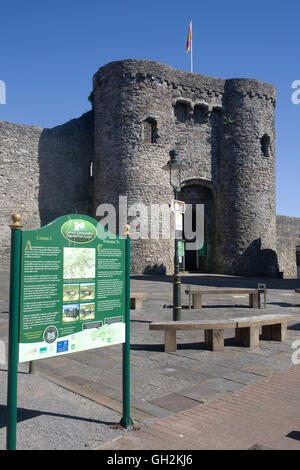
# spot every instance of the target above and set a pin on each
(264, 414)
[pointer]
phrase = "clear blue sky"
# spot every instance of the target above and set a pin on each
(51, 49)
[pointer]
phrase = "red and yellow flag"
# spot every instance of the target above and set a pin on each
(189, 38)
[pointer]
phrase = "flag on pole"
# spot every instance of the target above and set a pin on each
(189, 38)
(189, 44)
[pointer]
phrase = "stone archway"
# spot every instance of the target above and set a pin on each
(298, 260)
(200, 191)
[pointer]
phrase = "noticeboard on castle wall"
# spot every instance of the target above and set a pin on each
(72, 289)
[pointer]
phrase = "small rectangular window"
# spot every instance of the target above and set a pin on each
(150, 131)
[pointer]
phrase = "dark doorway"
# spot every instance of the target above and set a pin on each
(200, 258)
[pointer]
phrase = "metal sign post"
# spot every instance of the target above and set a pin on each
(13, 332)
(126, 418)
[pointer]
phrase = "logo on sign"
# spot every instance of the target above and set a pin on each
(79, 225)
(62, 346)
(79, 231)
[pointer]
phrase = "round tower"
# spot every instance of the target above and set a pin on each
(132, 115)
(247, 210)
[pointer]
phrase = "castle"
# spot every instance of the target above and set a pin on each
(224, 133)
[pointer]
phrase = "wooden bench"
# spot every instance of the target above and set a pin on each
(136, 300)
(246, 328)
(297, 291)
(273, 327)
(213, 332)
(195, 295)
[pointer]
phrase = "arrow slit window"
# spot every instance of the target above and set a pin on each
(150, 131)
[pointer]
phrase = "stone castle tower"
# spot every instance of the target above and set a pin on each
(224, 132)
(142, 110)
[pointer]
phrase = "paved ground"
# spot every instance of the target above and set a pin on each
(50, 417)
(167, 384)
(263, 415)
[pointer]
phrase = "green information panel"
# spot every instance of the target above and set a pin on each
(180, 248)
(202, 251)
(72, 289)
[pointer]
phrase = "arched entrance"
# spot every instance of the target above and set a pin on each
(193, 192)
(298, 261)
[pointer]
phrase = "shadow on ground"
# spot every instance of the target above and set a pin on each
(181, 346)
(24, 414)
(294, 435)
(215, 280)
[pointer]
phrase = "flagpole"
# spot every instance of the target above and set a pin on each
(191, 48)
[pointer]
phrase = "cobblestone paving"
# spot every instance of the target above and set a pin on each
(166, 383)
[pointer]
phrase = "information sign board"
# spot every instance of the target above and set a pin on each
(72, 293)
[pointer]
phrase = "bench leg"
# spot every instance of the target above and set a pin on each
(197, 301)
(170, 341)
(190, 298)
(266, 332)
(239, 335)
(254, 300)
(275, 332)
(248, 336)
(214, 340)
(136, 303)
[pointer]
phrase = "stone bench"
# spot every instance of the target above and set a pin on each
(195, 295)
(246, 328)
(136, 300)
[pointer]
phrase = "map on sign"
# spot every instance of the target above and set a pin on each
(79, 263)
(72, 289)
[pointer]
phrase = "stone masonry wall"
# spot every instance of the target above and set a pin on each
(19, 179)
(44, 173)
(288, 237)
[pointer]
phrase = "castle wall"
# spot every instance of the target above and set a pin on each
(217, 126)
(288, 237)
(19, 179)
(44, 173)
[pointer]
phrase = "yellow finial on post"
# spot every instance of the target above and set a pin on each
(127, 230)
(16, 221)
